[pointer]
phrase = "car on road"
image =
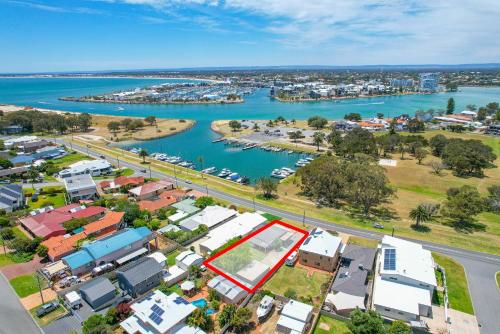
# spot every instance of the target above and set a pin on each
(189, 181)
(379, 226)
(47, 308)
(143, 171)
(102, 156)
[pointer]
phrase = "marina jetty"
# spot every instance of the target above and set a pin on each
(173, 93)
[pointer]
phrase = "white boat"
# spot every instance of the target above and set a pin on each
(290, 152)
(224, 172)
(288, 170)
(120, 108)
(278, 174)
(265, 307)
(209, 170)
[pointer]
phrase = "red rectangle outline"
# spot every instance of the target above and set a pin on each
(272, 270)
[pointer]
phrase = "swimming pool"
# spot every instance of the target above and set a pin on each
(201, 303)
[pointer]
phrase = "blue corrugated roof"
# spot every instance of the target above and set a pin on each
(109, 245)
(22, 159)
(78, 259)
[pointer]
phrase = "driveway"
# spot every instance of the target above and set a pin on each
(484, 293)
(70, 322)
(13, 317)
(19, 269)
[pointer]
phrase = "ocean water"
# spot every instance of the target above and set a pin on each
(44, 93)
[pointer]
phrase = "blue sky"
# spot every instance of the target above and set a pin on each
(68, 35)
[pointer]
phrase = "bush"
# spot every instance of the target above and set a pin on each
(4, 221)
(290, 293)
(7, 233)
(204, 201)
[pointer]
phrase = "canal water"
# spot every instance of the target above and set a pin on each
(196, 142)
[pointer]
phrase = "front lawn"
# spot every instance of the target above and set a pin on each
(5, 260)
(48, 318)
(270, 217)
(26, 285)
(69, 159)
(363, 242)
(297, 279)
(17, 234)
(327, 325)
(458, 290)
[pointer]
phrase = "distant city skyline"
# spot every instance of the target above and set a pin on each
(97, 35)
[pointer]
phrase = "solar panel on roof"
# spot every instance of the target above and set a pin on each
(155, 318)
(390, 259)
(156, 309)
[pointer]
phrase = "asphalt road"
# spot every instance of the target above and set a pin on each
(13, 317)
(480, 267)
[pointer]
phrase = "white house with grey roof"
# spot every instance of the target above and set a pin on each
(91, 167)
(187, 259)
(227, 290)
(11, 197)
(158, 313)
(320, 250)
(211, 217)
(295, 318)
(80, 187)
(405, 281)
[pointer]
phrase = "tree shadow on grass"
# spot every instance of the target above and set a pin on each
(266, 198)
(376, 214)
(420, 228)
(467, 227)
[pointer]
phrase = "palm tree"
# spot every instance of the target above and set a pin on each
(200, 160)
(318, 139)
(143, 154)
(423, 213)
(267, 185)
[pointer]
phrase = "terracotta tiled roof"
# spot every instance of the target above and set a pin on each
(151, 187)
(110, 219)
(89, 212)
(60, 245)
(157, 204)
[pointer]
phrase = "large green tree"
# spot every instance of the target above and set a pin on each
(267, 186)
(462, 205)
(467, 157)
(317, 122)
(368, 322)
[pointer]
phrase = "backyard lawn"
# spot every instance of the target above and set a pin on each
(327, 325)
(171, 257)
(26, 285)
(297, 279)
(48, 318)
(458, 290)
(56, 200)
